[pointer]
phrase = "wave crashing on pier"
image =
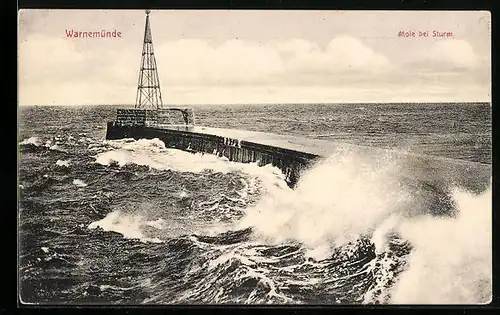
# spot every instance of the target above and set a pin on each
(133, 222)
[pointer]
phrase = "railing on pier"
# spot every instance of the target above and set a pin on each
(174, 116)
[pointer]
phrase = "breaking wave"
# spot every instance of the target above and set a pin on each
(154, 154)
(31, 140)
(63, 163)
(345, 206)
(51, 144)
(127, 225)
(79, 183)
(451, 262)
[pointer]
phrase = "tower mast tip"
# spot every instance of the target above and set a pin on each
(148, 89)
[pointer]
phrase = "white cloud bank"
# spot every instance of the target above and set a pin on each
(343, 54)
(453, 54)
(238, 62)
(65, 71)
(233, 62)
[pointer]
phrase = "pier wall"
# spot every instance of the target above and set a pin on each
(290, 162)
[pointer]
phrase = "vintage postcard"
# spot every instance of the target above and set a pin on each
(254, 157)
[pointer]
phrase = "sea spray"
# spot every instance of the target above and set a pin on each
(154, 154)
(108, 268)
(79, 183)
(451, 262)
(126, 224)
(348, 197)
(336, 202)
(31, 140)
(63, 163)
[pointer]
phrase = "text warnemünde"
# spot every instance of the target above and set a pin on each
(93, 34)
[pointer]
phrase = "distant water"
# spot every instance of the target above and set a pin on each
(134, 222)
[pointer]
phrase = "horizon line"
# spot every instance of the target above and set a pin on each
(272, 103)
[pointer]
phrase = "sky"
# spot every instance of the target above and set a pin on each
(235, 57)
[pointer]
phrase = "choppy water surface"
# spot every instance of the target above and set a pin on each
(134, 222)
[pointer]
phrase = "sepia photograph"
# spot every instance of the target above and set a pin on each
(242, 157)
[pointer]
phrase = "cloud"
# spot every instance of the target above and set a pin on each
(239, 61)
(234, 62)
(57, 70)
(45, 58)
(446, 55)
(343, 54)
(296, 45)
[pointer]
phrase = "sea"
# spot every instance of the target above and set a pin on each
(130, 222)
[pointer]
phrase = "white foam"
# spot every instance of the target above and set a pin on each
(55, 147)
(183, 194)
(379, 236)
(451, 262)
(129, 225)
(105, 287)
(319, 253)
(157, 224)
(335, 202)
(153, 153)
(63, 163)
(31, 140)
(79, 183)
(348, 195)
(383, 270)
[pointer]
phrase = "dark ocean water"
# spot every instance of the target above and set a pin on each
(132, 222)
